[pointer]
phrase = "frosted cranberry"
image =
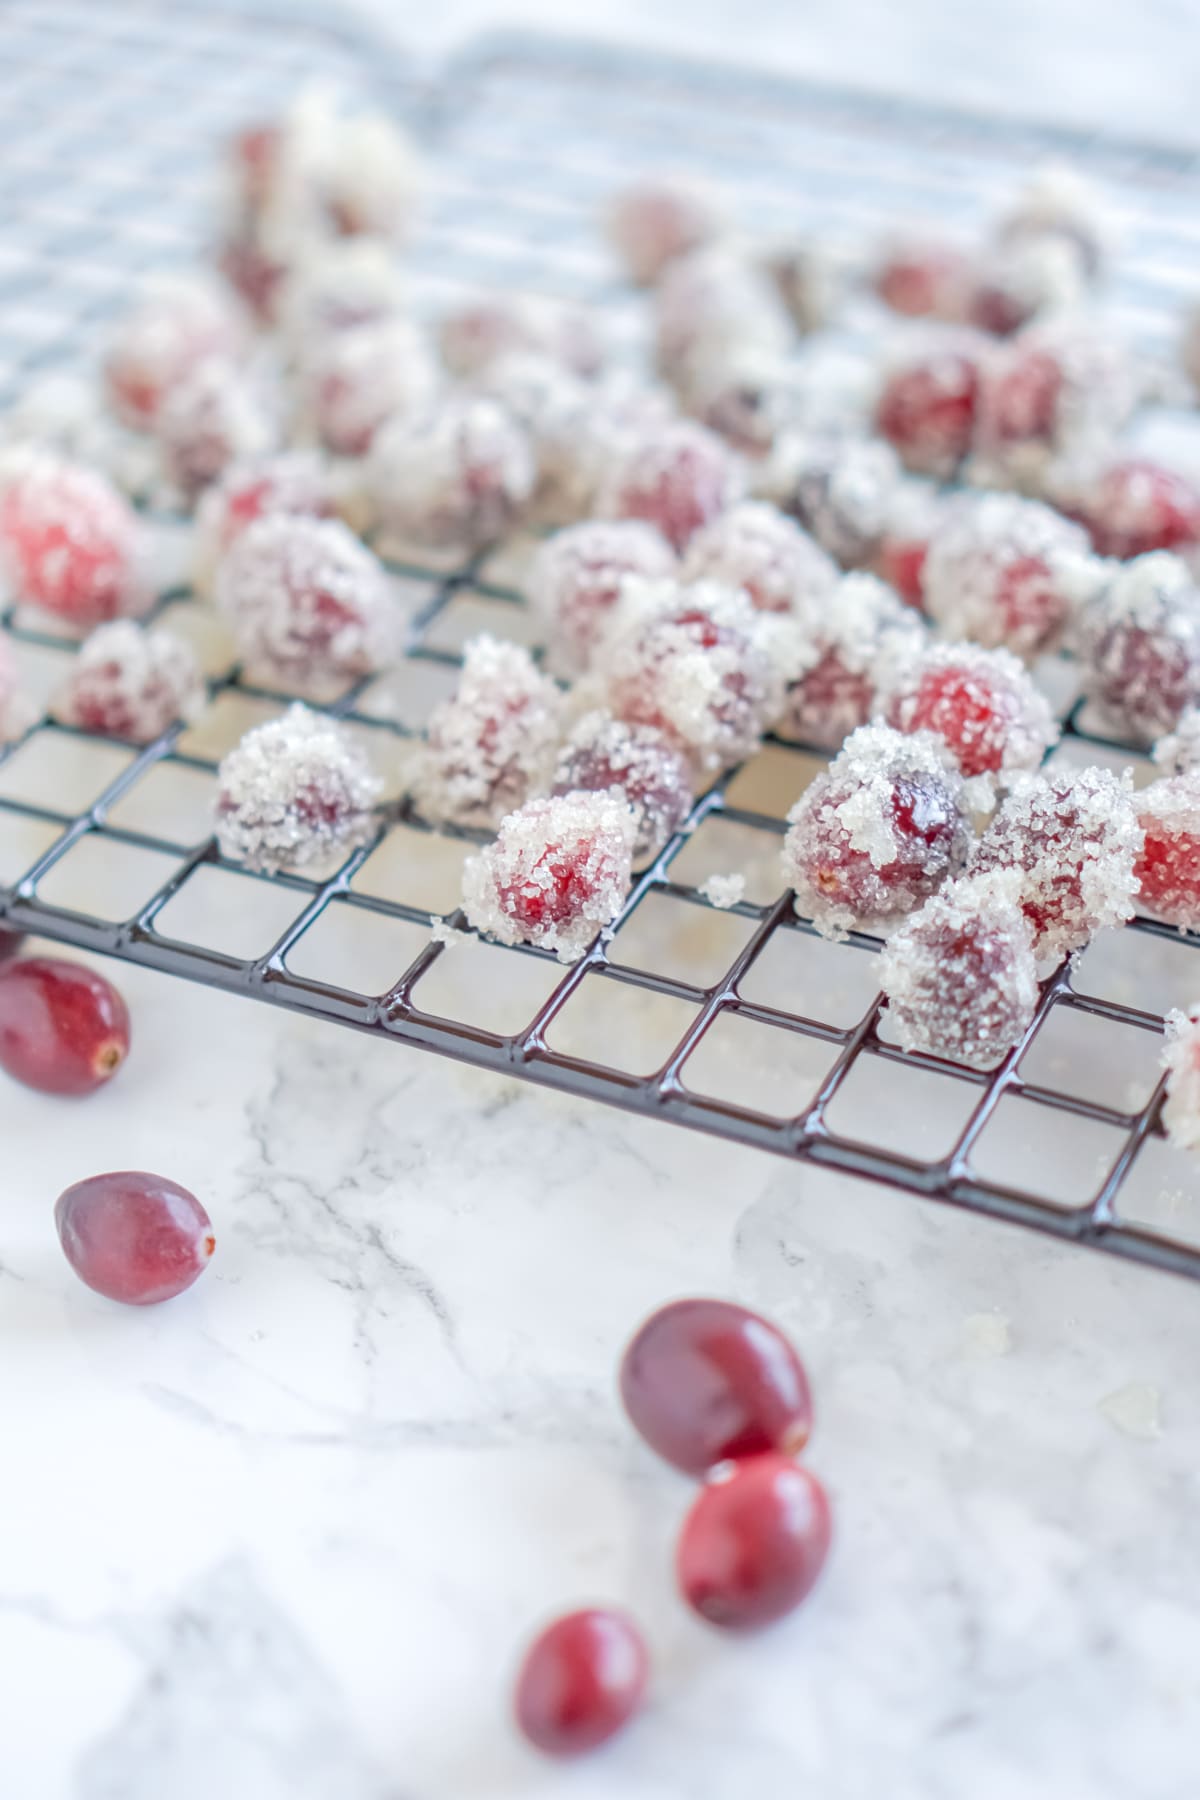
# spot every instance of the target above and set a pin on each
(852, 643)
(642, 764)
(578, 575)
(924, 280)
(581, 1682)
(900, 561)
(927, 411)
(677, 477)
(1001, 570)
(63, 1028)
(176, 323)
(1023, 398)
(764, 552)
(360, 378)
(209, 420)
(294, 482)
(460, 475)
(254, 275)
(294, 793)
(1058, 387)
(478, 334)
(492, 742)
(130, 682)
(1168, 866)
(754, 1543)
(842, 490)
(134, 1237)
(981, 703)
(1139, 644)
(1135, 506)
(655, 221)
(69, 541)
(705, 1380)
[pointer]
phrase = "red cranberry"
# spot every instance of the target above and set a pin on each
(63, 1028)
(901, 562)
(754, 1543)
(134, 1237)
(705, 1380)
(924, 280)
(1136, 506)
(927, 411)
(677, 478)
(581, 1681)
(69, 541)
(982, 703)
(1168, 866)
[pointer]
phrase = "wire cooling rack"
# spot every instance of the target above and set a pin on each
(739, 1022)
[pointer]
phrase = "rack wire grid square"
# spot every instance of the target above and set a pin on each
(748, 1025)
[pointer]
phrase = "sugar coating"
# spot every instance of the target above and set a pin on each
(639, 763)
(960, 975)
(459, 475)
(1060, 387)
(1001, 570)
(370, 176)
(175, 323)
(694, 661)
(293, 793)
(724, 891)
(290, 482)
(132, 681)
(358, 379)
(1181, 1060)
(337, 287)
(477, 334)
(442, 932)
(211, 418)
(492, 742)
(676, 475)
(877, 832)
(69, 542)
(1138, 639)
(576, 578)
(557, 873)
(749, 394)
(1168, 868)
(708, 304)
(655, 220)
(926, 406)
(1179, 751)
(983, 704)
(1075, 839)
(305, 599)
(840, 489)
(761, 550)
(851, 646)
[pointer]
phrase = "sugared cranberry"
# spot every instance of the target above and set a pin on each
(924, 279)
(927, 409)
(294, 482)
(653, 222)
(69, 541)
(356, 380)
(705, 1380)
(960, 976)
(710, 310)
(1134, 506)
(134, 1237)
(851, 645)
(492, 742)
(130, 682)
(210, 419)
(754, 1543)
(1058, 387)
(640, 763)
(557, 873)
(756, 548)
(176, 324)
(577, 576)
(981, 703)
(676, 477)
(63, 1028)
(1001, 570)
(459, 476)
(1138, 639)
(294, 793)
(581, 1682)
(255, 275)
(351, 284)
(842, 490)
(877, 832)
(1074, 840)
(1168, 866)
(478, 334)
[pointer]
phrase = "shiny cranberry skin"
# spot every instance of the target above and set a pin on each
(133, 1237)
(754, 1543)
(63, 1028)
(582, 1680)
(705, 1380)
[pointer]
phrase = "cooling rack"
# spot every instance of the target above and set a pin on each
(108, 133)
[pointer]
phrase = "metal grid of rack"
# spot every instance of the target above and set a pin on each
(508, 214)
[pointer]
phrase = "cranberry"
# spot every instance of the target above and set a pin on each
(764, 552)
(63, 1028)
(256, 277)
(577, 577)
(705, 1380)
(581, 1682)
(133, 1237)
(70, 542)
(1136, 506)
(1138, 639)
(1168, 866)
(653, 222)
(754, 1543)
(924, 280)
(603, 753)
(927, 411)
(678, 477)
(900, 561)
(491, 743)
(981, 703)
(294, 793)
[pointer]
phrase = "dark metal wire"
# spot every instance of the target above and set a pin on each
(511, 212)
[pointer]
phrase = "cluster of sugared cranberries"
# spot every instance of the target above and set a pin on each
(492, 743)
(478, 334)
(356, 381)
(983, 705)
(694, 662)
(675, 476)
(721, 1394)
(556, 874)
(457, 476)
(878, 832)
(1181, 1059)
(926, 408)
(1075, 840)
(639, 763)
(1000, 570)
(69, 542)
(769, 556)
(178, 323)
(576, 578)
(1168, 864)
(960, 976)
(844, 658)
(294, 793)
(842, 490)
(293, 482)
(1059, 388)
(305, 599)
(653, 222)
(63, 1028)
(132, 681)
(213, 417)
(1138, 639)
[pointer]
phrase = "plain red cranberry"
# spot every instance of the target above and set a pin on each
(581, 1681)
(927, 411)
(63, 1028)
(133, 1237)
(705, 1380)
(754, 1543)
(1136, 506)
